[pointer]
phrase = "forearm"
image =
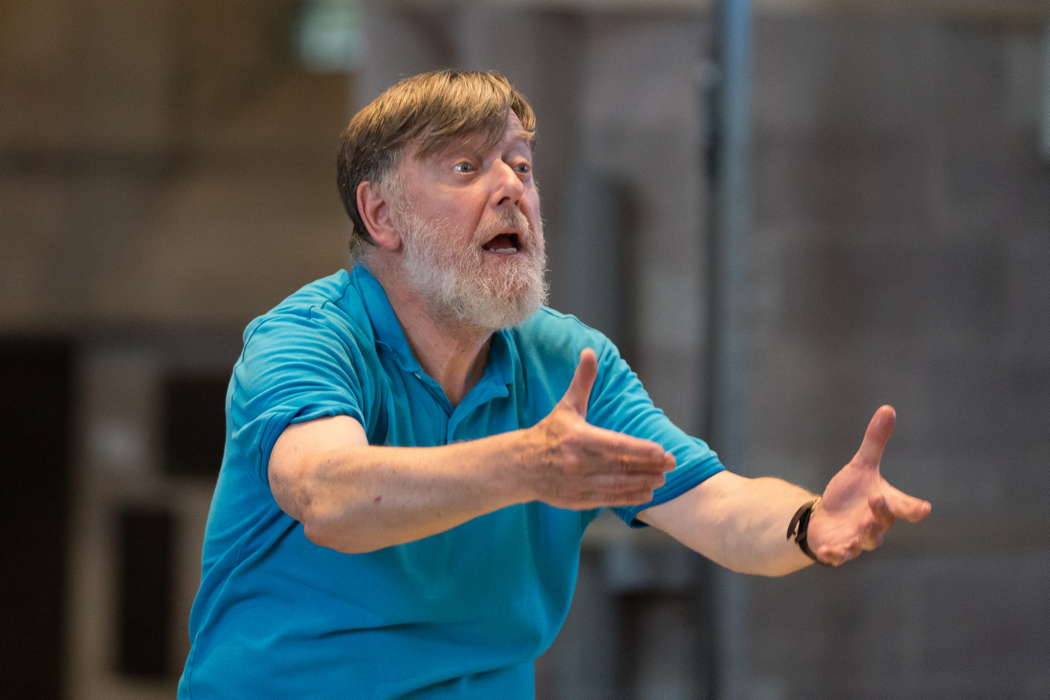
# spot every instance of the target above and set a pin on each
(737, 522)
(354, 497)
(757, 514)
(368, 497)
(742, 523)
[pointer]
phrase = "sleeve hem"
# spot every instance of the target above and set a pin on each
(279, 422)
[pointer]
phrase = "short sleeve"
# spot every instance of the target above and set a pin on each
(619, 402)
(294, 368)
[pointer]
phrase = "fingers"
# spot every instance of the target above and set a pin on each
(611, 469)
(904, 506)
(607, 490)
(579, 391)
(626, 483)
(868, 532)
(837, 556)
(876, 436)
(610, 452)
(597, 499)
(880, 511)
(873, 532)
(580, 465)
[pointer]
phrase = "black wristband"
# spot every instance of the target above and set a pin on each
(799, 529)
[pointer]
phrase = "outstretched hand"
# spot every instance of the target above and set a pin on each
(859, 506)
(578, 465)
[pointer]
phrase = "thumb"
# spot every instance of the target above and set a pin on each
(579, 391)
(876, 436)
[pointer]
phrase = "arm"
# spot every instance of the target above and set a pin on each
(355, 497)
(742, 523)
(736, 522)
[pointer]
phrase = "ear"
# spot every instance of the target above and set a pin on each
(376, 211)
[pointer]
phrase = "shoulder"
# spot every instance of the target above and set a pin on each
(319, 330)
(548, 346)
(550, 332)
(326, 309)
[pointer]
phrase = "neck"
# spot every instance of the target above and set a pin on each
(451, 352)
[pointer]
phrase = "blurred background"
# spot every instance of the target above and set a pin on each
(786, 212)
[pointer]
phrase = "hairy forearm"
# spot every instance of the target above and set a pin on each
(354, 497)
(369, 497)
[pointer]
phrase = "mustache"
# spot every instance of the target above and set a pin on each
(514, 219)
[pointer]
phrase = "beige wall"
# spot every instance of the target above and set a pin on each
(166, 162)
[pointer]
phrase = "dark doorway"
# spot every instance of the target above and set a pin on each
(37, 376)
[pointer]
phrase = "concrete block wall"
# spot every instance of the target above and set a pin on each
(900, 231)
(898, 256)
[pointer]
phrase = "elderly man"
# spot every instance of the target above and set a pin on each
(415, 446)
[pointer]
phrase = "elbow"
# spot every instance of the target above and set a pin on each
(324, 524)
(330, 538)
(340, 534)
(319, 535)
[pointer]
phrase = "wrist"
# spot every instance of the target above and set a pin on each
(798, 529)
(520, 449)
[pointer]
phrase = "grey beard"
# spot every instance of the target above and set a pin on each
(457, 287)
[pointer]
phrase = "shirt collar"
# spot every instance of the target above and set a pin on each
(390, 334)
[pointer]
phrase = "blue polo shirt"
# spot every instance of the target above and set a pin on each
(460, 614)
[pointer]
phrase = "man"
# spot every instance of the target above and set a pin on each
(416, 446)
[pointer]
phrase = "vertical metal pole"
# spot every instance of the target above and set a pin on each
(729, 142)
(1046, 94)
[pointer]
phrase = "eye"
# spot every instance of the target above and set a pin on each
(463, 166)
(523, 167)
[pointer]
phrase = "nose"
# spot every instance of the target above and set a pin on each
(509, 186)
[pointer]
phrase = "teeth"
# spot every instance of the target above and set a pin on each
(503, 250)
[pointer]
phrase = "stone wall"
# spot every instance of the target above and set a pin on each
(900, 256)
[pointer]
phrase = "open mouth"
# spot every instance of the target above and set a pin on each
(503, 244)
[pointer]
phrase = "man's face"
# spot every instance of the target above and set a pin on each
(469, 218)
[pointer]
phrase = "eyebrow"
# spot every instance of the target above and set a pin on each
(529, 137)
(454, 144)
(522, 136)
